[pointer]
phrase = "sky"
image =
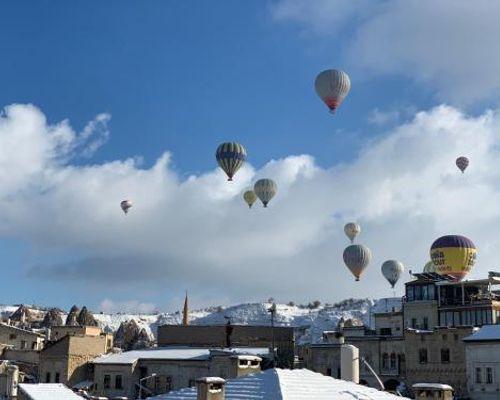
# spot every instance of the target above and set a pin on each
(105, 101)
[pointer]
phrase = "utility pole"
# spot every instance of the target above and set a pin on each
(272, 310)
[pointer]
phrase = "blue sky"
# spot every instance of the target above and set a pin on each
(183, 76)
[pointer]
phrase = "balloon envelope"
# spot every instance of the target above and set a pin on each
(356, 258)
(392, 270)
(230, 157)
(250, 197)
(265, 189)
(332, 86)
(352, 230)
(462, 163)
(126, 205)
(453, 255)
(429, 268)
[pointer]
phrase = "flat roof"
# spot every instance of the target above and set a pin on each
(175, 353)
(48, 391)
(485, 333)
(440, 386)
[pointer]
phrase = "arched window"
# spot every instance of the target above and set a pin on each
(385, 361)
(393, 361)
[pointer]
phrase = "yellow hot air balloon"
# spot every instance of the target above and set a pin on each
(453, 255)
(250, 197)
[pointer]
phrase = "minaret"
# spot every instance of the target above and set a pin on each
(185, 313)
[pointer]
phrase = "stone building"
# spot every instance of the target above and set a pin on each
(125, 373)
(58, 332)
(66, 360)
(482, 360)
(231, 336)
(21, 339)
(384, 353)
(437, 356)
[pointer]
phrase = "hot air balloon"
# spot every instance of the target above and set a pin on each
(430, 268)
(352, 230)
(462, 163)
(392, 270)
(126, 205)
(453, 255)
(357, 257)
(332, 86)
(250, 197)
(230, 157)
(265, 189)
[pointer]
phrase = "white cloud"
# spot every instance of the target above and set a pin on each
(451, 45)
(198, 234)
(131, 306)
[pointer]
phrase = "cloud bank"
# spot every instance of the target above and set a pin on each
(448, 44)
(197, 233)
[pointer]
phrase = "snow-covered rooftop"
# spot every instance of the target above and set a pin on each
(282, 384)
(486, 332)
(174, 353)
(48, 391)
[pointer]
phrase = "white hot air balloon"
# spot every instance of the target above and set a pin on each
(332, 86)
(356, 258)
(352, 230)
(265, 189)
(125, 205)
(392, 270)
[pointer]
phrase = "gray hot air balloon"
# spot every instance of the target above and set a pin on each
(125, 205)
(392, 270)
(265, 189)
(332, 86)
(462, 163)
(352, 230)
(357, 257)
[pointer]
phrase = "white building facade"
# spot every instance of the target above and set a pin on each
(482, 355)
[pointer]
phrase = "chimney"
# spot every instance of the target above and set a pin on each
(210, 388)
(12, 381)
(349, 363)
(245, 365)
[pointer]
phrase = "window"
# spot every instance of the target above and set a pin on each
(119, 383)
(157, 382)
(168, 384)
(414, 323)
(422, 356)
(328, 372)
(445, 355)
(393, 361)
(385, 361)
(107, 381)
(409, 293)
(386, 331)
(12, 336)
(426, 323)
(34, 346)
(445, 337)
(489, 375)
(47, 377)
(56, 379)
(191, 382)
(23, 344)
(478, 375)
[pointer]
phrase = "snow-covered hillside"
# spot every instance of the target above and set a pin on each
(309, 322)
